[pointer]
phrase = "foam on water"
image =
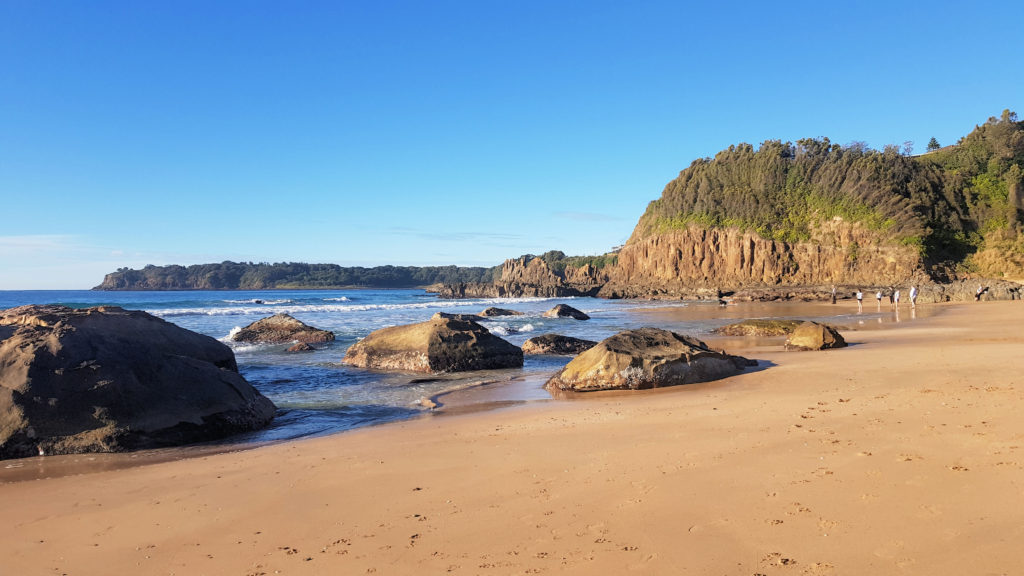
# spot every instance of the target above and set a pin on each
(296, 308)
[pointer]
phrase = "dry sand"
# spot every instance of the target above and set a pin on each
(901, 454)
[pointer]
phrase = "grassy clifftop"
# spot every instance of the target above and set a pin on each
(950, 203)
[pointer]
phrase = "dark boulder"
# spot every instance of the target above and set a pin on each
(645, 358)
(281, 328)
(438, 345)
(107, 379)
(556, 344)
(492, 311)
(463, 317)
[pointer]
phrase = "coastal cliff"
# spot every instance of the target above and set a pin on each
(798, 218)
(699, 261)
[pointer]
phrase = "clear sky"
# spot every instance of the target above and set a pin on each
(437, 132)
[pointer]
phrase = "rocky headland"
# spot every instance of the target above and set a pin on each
(780, 221)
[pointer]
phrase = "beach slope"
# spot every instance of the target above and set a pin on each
(899, 454)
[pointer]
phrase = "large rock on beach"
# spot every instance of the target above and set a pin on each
(759, 327)
(281, 328)
(438, 345)
(492, 311)
(814, 336)
(645, 358)
(108, 379)
(556, 344)
(565, 311)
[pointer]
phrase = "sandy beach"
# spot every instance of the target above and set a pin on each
(900, 454)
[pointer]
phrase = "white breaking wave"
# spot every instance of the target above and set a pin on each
(338, 299)
(343, 308)
(527, 328)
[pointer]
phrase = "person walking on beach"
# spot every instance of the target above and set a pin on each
(860, 300)
(913, 296)
(896, 299)
(833, 293)
(878, 298)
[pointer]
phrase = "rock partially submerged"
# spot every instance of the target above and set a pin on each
(107, 379)
(281, 328)
(492, 311)
(645, 358)
(814, 336)
(300, 347)
(463, 317)
(759, 327)
(556, 344)
(565, 311)
(437, 345)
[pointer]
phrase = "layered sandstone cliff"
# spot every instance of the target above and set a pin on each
(695, 259)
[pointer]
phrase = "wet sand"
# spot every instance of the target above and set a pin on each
(899, 454)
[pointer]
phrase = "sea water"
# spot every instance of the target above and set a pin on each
(315, 393)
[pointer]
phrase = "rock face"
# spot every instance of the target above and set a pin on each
(645, 358)
(556, 344)
(301, 347)
(759, 327)
(106, 379)
(728, 259)
(565, 311)
(532, 278)
(492, 311)
(438, 345)
(281, 328)
(814, 336)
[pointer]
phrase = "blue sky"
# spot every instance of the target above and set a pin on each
(367, 133)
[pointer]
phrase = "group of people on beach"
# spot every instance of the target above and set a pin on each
(894, 298)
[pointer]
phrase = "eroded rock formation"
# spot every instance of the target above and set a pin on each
(645, 358)
(814, 336)
(437, 345)
(281, 328)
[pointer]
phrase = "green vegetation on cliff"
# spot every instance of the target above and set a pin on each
(557, 261)
(949, 203)
(263, 276)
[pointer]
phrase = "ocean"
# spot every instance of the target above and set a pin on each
(316, 394)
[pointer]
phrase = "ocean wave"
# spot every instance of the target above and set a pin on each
(503, 329)
(290, 308)
(258, 301)
(338, 299)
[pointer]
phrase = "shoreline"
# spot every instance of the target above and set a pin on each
(898, 454)
(488, 393)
